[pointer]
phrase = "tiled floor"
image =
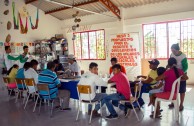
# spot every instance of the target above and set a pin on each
(13, 114)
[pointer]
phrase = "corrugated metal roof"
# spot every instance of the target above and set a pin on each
(44, 5)
(133, 3)
(95, 7)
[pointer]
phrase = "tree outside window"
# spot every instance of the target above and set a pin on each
(159, 37)
(90, 45)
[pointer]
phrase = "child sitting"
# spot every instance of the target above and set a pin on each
(12, 73)
(159, 87)
(169, 76)
(123, 92)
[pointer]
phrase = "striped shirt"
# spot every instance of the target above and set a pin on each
(50, 78)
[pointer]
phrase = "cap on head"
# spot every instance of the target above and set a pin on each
(71, 56)
(175, 46)
(154, 62)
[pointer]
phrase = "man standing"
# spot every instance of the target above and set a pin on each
(182, 64)
(8, 59)
(24, 57)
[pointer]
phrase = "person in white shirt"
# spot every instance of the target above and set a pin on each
(8, 59)
(25, 57)
(31, 73)
(92, 79)
(74, 67)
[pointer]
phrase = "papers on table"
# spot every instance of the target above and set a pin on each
(68, 80)
(105, 79)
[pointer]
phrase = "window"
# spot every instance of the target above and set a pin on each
(159, 37)
(90, 45)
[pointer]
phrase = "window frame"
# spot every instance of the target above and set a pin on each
(167, 32)
(89, 44)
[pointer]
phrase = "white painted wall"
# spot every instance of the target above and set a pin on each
(133, 20)
(48, 25)
(111, 28)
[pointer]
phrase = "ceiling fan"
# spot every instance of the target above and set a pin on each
(77, 8)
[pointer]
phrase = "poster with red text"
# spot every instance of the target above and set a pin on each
(126, 48)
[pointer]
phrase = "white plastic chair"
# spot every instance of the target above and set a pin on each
(134, 99)
(175, 87)
(85, 89)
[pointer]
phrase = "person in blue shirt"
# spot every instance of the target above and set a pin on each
(49, 77)
(20, 74)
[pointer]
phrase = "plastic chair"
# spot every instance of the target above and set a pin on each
(134, 99)
(173, 97)
(10, 86)
(85, 89)
(45, 88)
(30, 83)
(20, 81)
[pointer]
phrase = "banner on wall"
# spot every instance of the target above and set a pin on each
(17, 47)
(126, 48)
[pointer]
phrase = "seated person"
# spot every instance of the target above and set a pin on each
(159, 86)
(73, 66)
(12, 73)
(113, 62)
(92, 79)
(59, 67)
(49, 77)
(151, 78)
(31, 73)
(169, 77)
(123, 92)
(20, 74)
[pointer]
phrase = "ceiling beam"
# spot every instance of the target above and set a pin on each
(30, 1)
(111, 7)
(65, 8)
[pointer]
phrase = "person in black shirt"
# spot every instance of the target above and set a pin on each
(59, 67)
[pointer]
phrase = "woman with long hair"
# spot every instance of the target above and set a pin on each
(12, 73)
(169, 77)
